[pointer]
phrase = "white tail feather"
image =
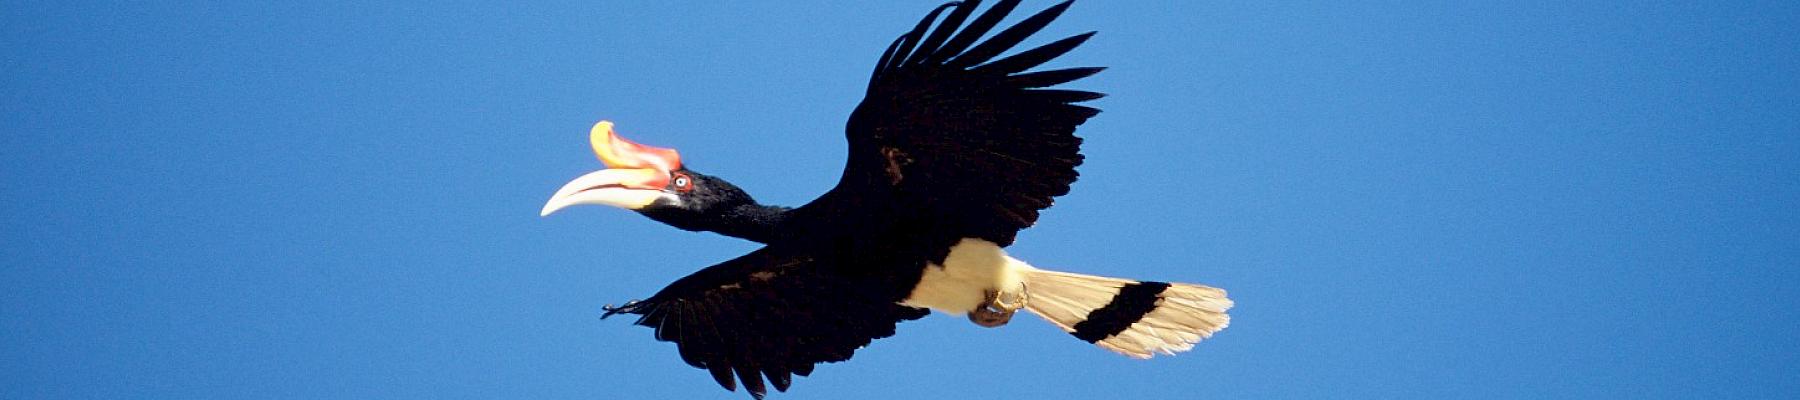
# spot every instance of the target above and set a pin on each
(1181, 315)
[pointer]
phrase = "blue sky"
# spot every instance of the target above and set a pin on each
(1406, 200)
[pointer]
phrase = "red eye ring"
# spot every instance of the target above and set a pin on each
(682, 182)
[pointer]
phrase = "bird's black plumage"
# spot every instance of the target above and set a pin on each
(712, 204)
(948, 143)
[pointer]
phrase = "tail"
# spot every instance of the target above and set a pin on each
(1133, 318)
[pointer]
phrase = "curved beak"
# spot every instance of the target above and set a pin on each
(636, 175)
(630, 189)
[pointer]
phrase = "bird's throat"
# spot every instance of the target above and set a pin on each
(753, 222)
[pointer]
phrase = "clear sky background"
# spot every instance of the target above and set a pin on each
(1520, 199)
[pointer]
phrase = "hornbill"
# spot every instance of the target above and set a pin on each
(951, 153)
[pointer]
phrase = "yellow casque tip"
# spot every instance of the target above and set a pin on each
(616, 152)
(600, 137)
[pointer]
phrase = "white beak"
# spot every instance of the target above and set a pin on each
(626, 188)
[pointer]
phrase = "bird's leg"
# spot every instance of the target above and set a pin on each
(629, 306)
(998, 309)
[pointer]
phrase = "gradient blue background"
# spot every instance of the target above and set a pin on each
(1407, 200)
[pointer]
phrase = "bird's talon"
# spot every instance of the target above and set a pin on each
(1017, 302)
(994, 312)
(610, 309)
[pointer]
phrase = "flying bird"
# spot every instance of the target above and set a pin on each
(951, 153)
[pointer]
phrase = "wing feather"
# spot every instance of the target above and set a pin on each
(974, 31)
(1010, 37)
(1034, 57)
(912, 38)
(1051, 78)
(977, 151)
(938, 36)
(769, 315)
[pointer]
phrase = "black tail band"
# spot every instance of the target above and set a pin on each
(1126, 308)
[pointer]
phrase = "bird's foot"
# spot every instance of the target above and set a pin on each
(998, 309)
(630, 306)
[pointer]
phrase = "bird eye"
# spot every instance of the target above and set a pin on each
(682, 182)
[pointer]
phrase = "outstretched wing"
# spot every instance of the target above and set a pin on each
(944, 134)
(768, 314)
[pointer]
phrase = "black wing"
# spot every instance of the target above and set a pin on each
(770, 313)
(946, 135)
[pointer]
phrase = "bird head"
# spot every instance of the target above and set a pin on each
(649, 180)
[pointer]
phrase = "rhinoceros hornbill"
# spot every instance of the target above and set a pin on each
(952, 152)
